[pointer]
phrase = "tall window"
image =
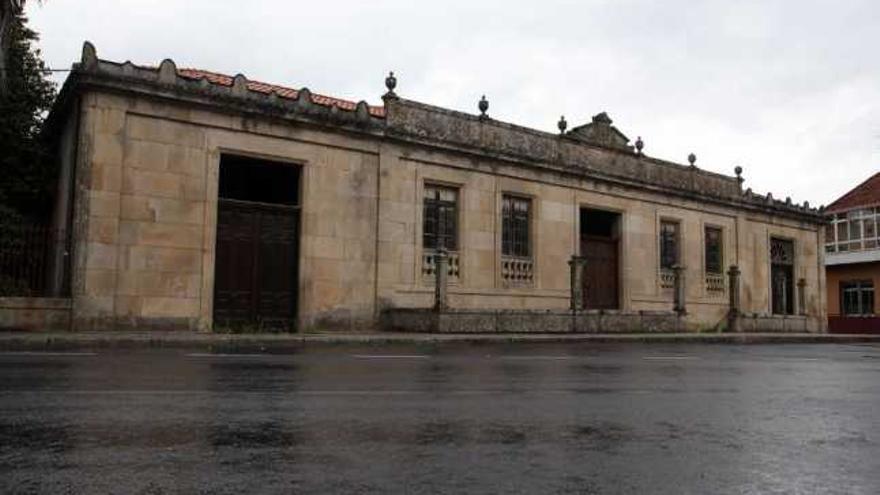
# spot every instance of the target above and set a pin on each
(440, 218)
(857, 298)
(714, 250)
(669, 244)
(782, 276)
(515, 213)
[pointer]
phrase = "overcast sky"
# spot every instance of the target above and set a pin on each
(788, 90)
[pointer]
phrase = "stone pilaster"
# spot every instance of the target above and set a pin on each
(441, 274)
(733, 291)
(802, 296)
(679, 290)
(576, 268)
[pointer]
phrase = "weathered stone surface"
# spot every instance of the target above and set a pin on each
(147, 194)
(35, 313)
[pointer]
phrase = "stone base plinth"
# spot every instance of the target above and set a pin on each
(35, 313)
(524, 321)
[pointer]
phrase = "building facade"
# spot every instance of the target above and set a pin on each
(197, 200)
(852, 259)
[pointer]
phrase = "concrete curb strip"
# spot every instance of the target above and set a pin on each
(11, 341)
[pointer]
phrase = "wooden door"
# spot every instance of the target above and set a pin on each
(600, 273)
(255, 281)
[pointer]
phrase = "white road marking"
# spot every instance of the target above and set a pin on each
(670, 358)
(555, 358)
(221, 355)
(390, 356)
(47, 353)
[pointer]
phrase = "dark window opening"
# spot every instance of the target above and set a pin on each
(599, 223)
(440, 218)
(714, 250)
(515, 218)
(255, 180)
(669, 244)
(857, 298)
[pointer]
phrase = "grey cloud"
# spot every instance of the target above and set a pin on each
(786, 89)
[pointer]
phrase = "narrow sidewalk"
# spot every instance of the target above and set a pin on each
(11, 341)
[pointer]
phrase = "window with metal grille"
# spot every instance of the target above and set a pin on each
(714, 250)
(669, 242)
(782, 276)
(857, 298)
(440, 218)
(515, 213)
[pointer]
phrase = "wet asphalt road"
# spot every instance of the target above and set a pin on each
(450, 419)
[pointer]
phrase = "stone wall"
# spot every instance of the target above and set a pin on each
(148, 154)
(534, 321)
(150, 174)
(556, 202)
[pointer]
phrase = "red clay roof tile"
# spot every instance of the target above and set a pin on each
(281, 91)
(865, 194)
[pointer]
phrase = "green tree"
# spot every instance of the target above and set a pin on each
(27, 174)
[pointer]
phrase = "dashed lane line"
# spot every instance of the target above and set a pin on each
(48, 353)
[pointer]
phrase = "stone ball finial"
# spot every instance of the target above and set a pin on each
(692, 159)
(562, 124)
(391, 82)
(483, 105)
(639, 145)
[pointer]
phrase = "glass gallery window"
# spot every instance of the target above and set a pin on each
(857, 298)
(853, 230)
(515, 231)
(440, 218)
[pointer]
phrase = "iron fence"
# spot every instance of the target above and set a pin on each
(33, 260)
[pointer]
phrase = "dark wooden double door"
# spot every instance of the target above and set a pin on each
(600, 277)
(256, 278)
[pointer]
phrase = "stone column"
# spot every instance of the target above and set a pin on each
(802, 296)
(576, 268)
(733, 290)
(441, 273)
(678, 284)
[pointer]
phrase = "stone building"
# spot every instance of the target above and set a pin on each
(196, 199)
(852, 259)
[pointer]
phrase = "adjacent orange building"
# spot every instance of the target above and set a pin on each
(852, 260)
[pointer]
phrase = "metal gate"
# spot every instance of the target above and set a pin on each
(256, 279)
(600, 272)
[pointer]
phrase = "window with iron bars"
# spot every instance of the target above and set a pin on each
(515, 229)
(440, 218)
(669, 244)
(714, 250)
